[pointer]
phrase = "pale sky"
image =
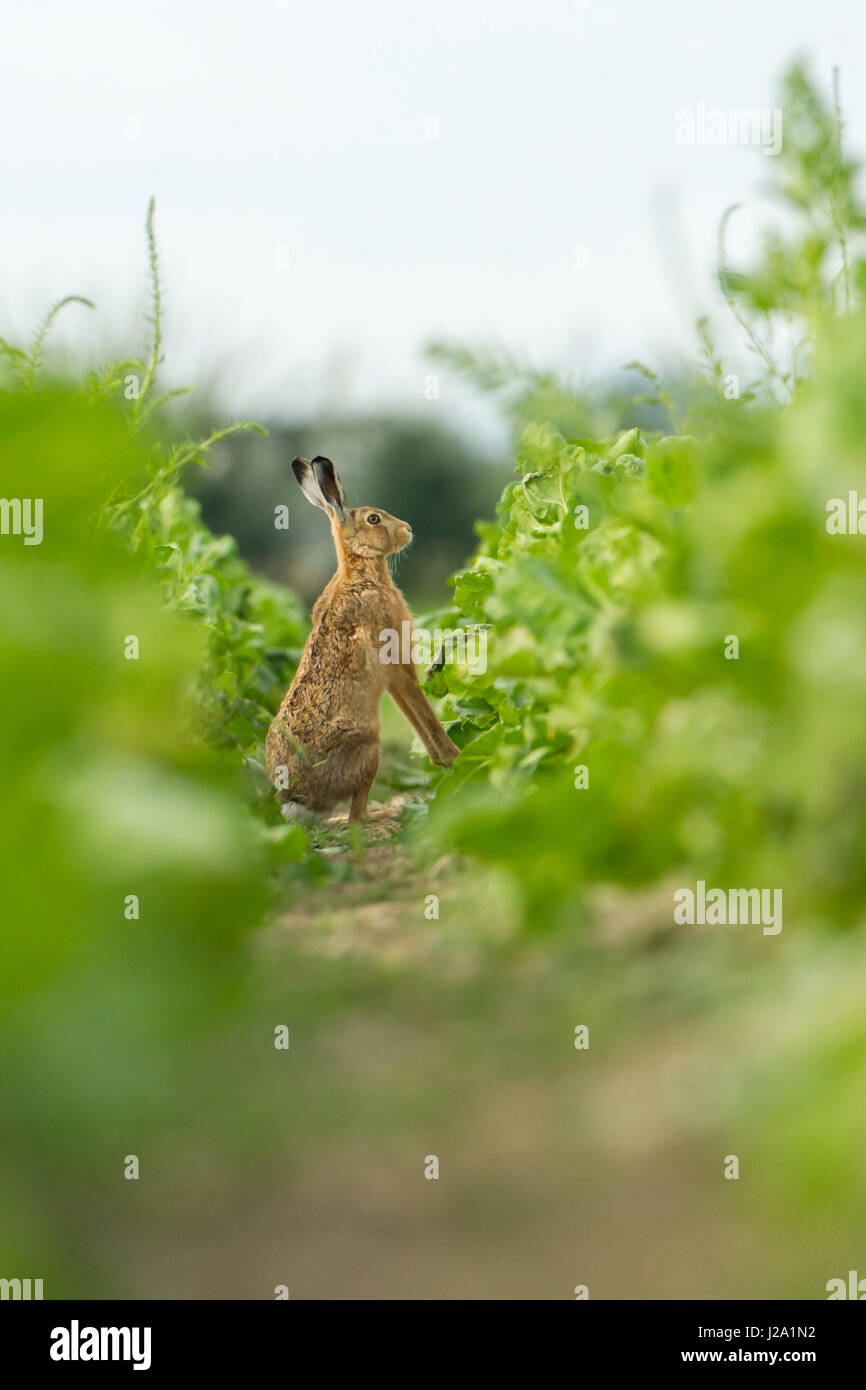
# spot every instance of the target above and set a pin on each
(314, 237)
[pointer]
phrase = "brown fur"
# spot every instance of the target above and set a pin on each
(327, 731)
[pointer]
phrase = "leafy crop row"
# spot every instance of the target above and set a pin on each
(619, 734)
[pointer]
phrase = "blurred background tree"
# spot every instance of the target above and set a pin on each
(414, 466)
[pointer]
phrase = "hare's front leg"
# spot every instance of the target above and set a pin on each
(413, 704)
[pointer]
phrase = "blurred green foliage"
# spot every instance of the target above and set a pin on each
(136, 657)
(107, 796)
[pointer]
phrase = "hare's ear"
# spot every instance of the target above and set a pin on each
(306, 476)
(330, 484)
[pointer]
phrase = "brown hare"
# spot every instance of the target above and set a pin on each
(323, 747)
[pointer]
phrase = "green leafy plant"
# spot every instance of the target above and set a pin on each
(613, 738)
(254, 629)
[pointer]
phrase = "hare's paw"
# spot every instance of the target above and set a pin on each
(447, 754)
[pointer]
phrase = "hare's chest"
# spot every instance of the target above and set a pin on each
(361, 655)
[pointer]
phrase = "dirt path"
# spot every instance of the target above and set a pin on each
(381, 910)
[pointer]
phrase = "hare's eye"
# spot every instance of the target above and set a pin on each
(374, 518)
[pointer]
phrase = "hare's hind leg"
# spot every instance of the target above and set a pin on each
(365, 771)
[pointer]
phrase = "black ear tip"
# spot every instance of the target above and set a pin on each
(326, 475)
